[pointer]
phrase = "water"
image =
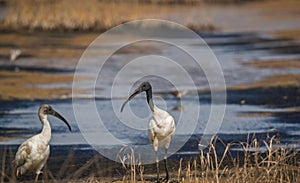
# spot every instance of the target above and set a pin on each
(134, 133)
(27, 119)
(115, 130)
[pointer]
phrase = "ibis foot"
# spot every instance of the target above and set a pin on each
(166, 179)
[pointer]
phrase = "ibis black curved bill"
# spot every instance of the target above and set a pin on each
(56, 114)
(129, 98)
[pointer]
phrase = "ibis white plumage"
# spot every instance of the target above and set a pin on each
(14, 54)
(34, 152)
(161, 126)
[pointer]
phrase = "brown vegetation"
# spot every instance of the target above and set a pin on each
(24, 85)
(291, 34)
(276, 64)
(73, 14)
(284, 80)
(99, 15)
(46, 45)
(259, 161)
(66, 15)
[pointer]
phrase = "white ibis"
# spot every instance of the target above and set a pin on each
(14, 54)
(161, 126)
(34, 152)
(178, 95)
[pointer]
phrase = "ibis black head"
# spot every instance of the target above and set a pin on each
(46, 109)
(143, 87)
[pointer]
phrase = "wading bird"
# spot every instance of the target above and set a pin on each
(178, 95)
(161, 126)
(34, 152)
(14, 54)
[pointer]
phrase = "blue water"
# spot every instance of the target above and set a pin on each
(135, 132)
(97, 122)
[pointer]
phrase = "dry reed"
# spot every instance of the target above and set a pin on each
(92, 15)
(260, 161)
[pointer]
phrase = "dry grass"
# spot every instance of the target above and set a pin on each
(101, 15)
(66, 15)
(71, 14)
(262, 161)
(259, 161)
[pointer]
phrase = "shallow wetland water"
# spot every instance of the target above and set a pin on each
(261, 72)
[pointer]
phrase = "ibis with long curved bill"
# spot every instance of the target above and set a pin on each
(34, 152)
(161, 126)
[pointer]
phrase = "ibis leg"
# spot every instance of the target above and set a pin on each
(166, 165)
(157, 167)
(36, 177)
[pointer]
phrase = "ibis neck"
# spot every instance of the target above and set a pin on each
(149, 99)
(46, 131)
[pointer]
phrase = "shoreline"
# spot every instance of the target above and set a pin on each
(67, 165)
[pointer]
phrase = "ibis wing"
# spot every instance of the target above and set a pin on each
(151, 132)
(22, 154)
(170, 126)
